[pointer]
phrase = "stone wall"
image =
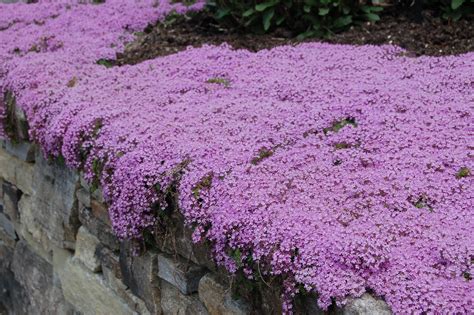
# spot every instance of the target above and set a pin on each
(58, 255)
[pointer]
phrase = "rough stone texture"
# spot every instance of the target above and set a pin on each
(12, 295)
(87, 291)
(17, 118)
(173, 302)
(217, 298)
(6, 239)
(15, 171)
(367, 305)
(140, 275)
(11, 197)
(35, 275)
(109, 260)
(83, 197)
(86, 247)
(7, 226)
(177, 240)
(94, 223)
(126, 294)
(23, 150)
(183, 275)
(31, 230)
(55, 188)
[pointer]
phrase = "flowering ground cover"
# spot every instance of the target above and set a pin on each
(338, 168)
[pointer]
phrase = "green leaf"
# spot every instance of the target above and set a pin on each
(456, 4)
(342, 21)
(376, 9)
(346, 10)
(307, 8)
(267, 18)
(323, 11)
(263, 6)
(372, 17)
(280, 20)
(249, 12)
(221, 13)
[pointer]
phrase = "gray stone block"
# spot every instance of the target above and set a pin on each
(109, 260)
(7, 227)
(97, 227)
(15, 171)
(217, 298)
(182, 274)
(55, 200)
(366, 305)
(22, 150)
(178, 240)
(11, 197)
(174, 302)
(87, 292)
(140, 275)
(83, 197)
(35, 275)
(12, 295)
(86, 247)
(126, 294)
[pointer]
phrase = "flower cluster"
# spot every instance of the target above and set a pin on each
(338, 168)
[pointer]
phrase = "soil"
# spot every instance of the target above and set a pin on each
(433, 36)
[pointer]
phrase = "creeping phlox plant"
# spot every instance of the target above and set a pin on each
(336, 168)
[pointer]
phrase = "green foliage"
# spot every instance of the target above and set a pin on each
(452, 10)
(338, 125)
(108, 63)
(263, 153)
(305, 17)
(463, 172)
(221, 81)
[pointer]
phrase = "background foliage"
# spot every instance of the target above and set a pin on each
(318, 17)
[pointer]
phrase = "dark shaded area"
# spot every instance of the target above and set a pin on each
(433, 36)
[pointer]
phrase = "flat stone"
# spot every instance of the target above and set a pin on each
(109, 260)
(7, 239)
(217, 298)
(32, 230)
(178, 240)
(15, 171)
(23, 150)
(55, 188)
(1, 194)
(367, 305)
(83, 197)
(17, 117)
(96, 194)
(175, 303)
(100, 211)
(183, 275)
(98, 228)
(35, 275)
(86, 246)
(86, 291)
(140, 275)
(126, 294)
(11, 197)
(7, 226)
(13, 297)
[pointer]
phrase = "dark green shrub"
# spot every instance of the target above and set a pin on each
(453, 10)
(304, 17)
